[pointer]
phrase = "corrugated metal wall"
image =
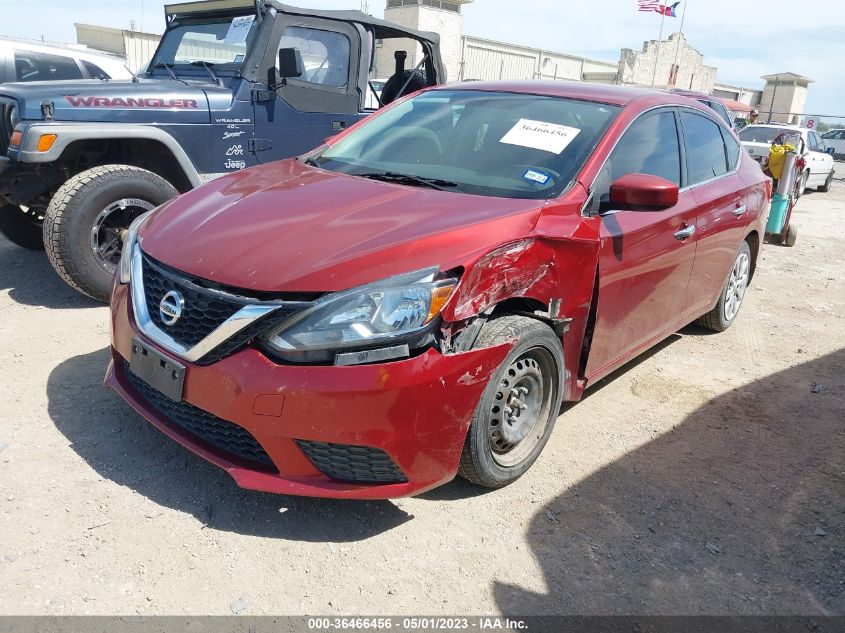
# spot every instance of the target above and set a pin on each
(139, 49)
(487, 59)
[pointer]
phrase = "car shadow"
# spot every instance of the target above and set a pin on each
(121, 446)
(31, 280)
(738, 510)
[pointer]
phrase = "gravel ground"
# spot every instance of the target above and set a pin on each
(706, 477)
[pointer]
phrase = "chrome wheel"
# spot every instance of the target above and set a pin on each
(737, 283)
(109, 225)
(520, 408)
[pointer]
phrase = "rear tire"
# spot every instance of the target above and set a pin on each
(827, 183)
(519, 406)
(84, 220)
(22, 228)
(723, 315)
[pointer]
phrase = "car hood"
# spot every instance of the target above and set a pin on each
(289, 227)
(153, 100)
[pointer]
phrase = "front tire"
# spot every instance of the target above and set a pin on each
(519, 406)
(722, 316)
(85, 220)
(22, 228)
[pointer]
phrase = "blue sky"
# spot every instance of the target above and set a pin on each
(743, 39)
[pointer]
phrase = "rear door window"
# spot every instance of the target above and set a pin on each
(705, 148)
(32, 66)
(732, 147)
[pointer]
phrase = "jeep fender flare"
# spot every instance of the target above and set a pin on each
(67, 133)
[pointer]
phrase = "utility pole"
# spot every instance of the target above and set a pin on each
(657, 53)
(774, 92)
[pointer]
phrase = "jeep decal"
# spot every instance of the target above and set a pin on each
(129, 102)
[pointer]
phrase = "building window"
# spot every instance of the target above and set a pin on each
(454, 7)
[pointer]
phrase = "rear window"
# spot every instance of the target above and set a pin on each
(95, 71)
(484, 143)
(760, 133)
(32, 66)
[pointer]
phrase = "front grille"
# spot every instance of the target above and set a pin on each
(235, 441)
(5, 126)
(205, 309)
(344, 462)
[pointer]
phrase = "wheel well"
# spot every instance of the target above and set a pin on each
(147, 154)
(753, 240)
(520, 304)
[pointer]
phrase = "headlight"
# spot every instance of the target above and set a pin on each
(125, 268)
(378, 314)
(14, 117)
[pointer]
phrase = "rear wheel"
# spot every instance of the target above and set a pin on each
(722, 316)
(827, 183)
(85, 221)
(22, 228)
(519, 406)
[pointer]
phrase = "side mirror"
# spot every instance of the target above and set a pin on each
(830, 151)
(290, 63)
(642, 192)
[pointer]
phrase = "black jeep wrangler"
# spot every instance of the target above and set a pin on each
(233, 83)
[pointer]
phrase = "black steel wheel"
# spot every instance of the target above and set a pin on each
(520, 404)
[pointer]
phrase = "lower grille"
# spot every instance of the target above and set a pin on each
(227, 436)
(361, 464)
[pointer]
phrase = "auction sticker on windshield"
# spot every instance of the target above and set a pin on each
(547, 137)
(238, 29)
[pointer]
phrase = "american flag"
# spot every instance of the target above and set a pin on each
(652, 6)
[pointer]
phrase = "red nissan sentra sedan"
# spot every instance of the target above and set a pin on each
(416, 298)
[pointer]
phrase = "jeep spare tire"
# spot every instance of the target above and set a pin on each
(22, 227)
(85, 221)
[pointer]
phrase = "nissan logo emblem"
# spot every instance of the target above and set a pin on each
(170, 307)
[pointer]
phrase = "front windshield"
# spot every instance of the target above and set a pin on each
(486, 143)
(760, 133)
(220, 41)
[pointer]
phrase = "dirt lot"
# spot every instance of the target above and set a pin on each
(707, 477)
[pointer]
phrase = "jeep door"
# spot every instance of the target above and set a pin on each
(645, 257)
(303, 111)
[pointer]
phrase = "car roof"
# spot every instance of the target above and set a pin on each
(600, 93)
(47, 47)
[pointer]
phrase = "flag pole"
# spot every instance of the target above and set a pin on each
(678, 45)
(657, 55)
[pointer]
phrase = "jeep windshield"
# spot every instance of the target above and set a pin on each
(218, 41)
(477, 142)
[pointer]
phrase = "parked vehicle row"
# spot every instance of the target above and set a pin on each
(417, 297)
(819, 164)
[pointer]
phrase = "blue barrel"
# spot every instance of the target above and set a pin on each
(777, 214)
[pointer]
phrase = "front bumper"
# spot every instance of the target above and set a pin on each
(417, 411)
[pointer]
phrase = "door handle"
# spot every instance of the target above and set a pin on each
(685, 232)
(740, 210)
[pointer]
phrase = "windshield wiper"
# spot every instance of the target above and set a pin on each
(208, 66)
(408, 179)
(312, 162)
(166, 66)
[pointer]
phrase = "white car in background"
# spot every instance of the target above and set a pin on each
(819, 168)
(835, 139)
(27, 60)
